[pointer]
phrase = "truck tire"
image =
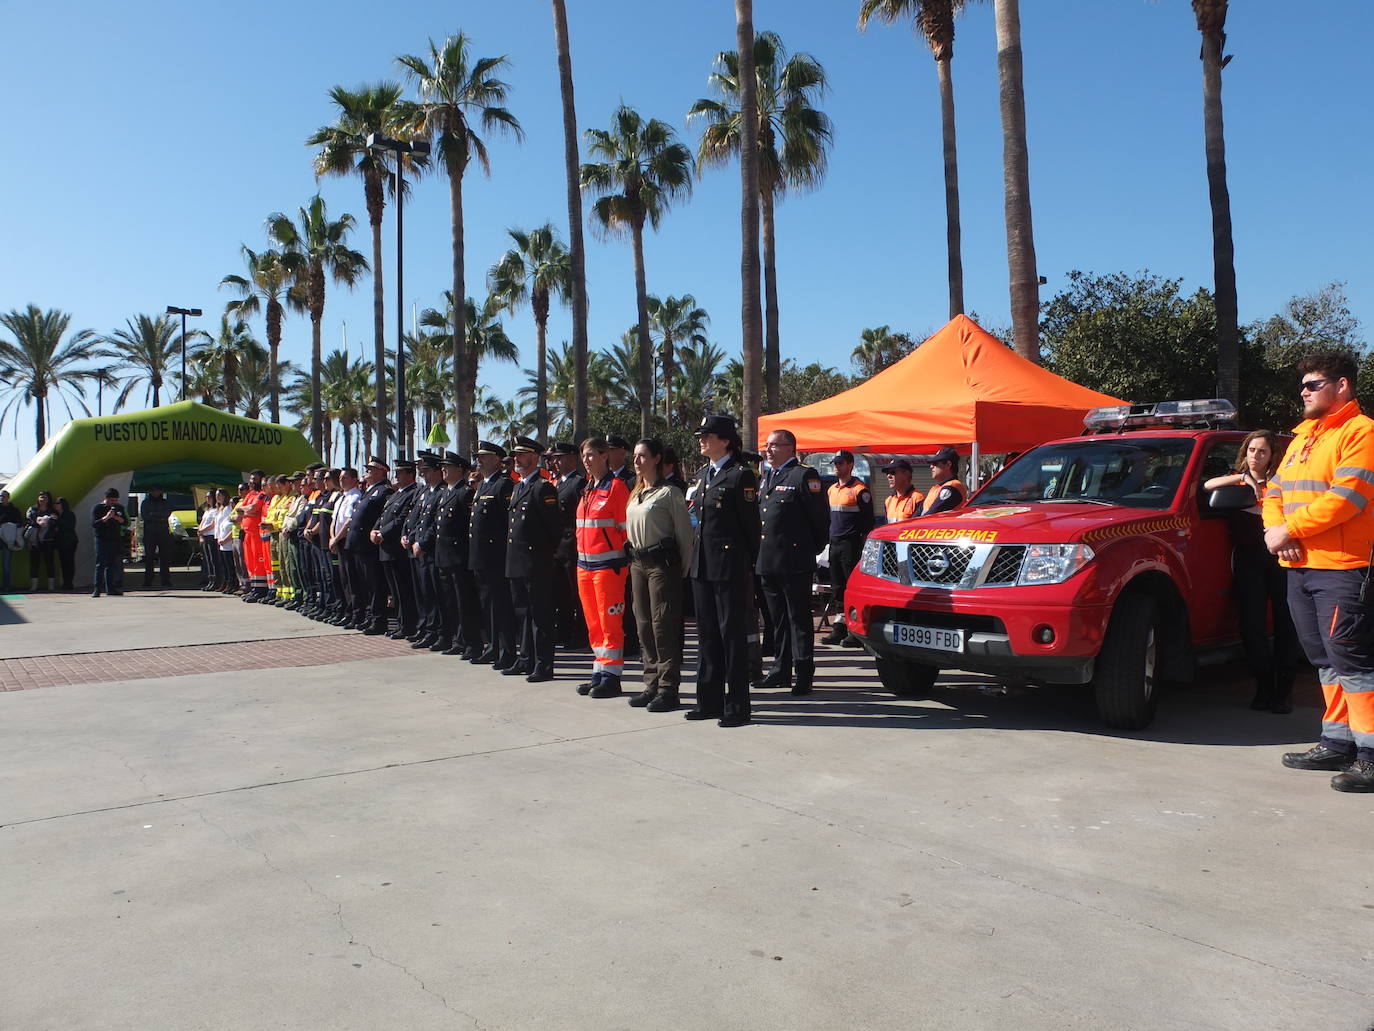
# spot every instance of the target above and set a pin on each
(904, 678)
(1127, 676)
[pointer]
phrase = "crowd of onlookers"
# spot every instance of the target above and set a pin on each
(48, 531)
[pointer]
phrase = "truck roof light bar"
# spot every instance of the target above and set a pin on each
(1204, 413)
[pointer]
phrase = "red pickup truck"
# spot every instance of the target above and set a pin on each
(1098, 560)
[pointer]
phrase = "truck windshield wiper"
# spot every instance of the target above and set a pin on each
(1078, 501)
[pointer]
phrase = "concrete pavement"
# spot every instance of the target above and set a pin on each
(420, 843)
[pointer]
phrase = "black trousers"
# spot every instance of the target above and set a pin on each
(66, 558)
(398, 578)
(461, 597)
(157, 551)
(723, 613)
(1261, 585)
(533, 605)
(370, 590)
(789, 605)
(494, 593)
(571, 628)
(844, 556)
(429, 616)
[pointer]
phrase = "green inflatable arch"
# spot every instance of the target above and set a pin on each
(176, 446)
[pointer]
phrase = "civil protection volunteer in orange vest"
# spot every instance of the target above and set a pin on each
(601, 568)
(255, 554)
(1319, 520)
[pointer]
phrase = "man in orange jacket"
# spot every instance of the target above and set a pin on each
(1319, 520)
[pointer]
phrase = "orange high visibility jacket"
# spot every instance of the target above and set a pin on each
(601, 525)
(851, 509)
(1322, 490)
(251, 507)
(899, 508)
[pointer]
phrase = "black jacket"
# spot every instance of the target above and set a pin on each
(569, 493)
(489, 526)
(727, 532)
(795, 519)
(366, 514)
(107, 531)
(420, 524)
(451, 526)
(391, 523)
(535, 528)
(154, 513)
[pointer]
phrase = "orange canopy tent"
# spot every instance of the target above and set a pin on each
(963, 386)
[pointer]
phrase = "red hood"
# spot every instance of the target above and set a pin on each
(1035, 522)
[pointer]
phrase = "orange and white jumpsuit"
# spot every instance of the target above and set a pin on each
(255, 554)
(601, 572)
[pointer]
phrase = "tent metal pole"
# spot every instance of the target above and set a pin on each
(973, 468)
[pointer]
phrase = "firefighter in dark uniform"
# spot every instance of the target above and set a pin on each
(851, 518)
(394, 561)
(618, 456)
(535, 530)
(948, 493)
(569, 481)
(487, 555)
(459, 605)
(794, 518)
(366, 555)
(420, 540)
(725, 502)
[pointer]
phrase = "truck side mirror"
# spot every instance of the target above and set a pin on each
(1231, 498)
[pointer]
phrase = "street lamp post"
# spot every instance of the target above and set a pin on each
(399, 147)
(183, 312)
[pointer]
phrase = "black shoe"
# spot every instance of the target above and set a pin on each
(95, 594)
(589, 686)
(663, 702)
(516, 669)
(800, 688)
(423, 642)
(1359, 777)
(776, 678)
(443, 644)
(738, 720)
(642, 700)
(1318, 757)
(539, 677)
(700, 714)
(454, 649)
(850, 641)
(374, 629)
(836, 636)
(251, 598)
(472, 654)
(608, 688)
(483, 659)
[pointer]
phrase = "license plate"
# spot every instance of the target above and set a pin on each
(940, 638)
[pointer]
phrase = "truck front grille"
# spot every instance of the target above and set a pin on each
(953, 565)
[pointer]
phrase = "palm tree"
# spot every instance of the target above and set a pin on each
(751, 328)
(934, 19)
(577, 253)
(1211, 22)
(622, 365)
(455, 91)
(426, 374)
(698, 370)
(147, 348)
(204, 379)
(37, 363)
(506, 418)
(793, 139)
(485, 335)
(346, 381)
(536, 268)
(256, 382)
(344, 152)
(1025, 280)
(227, 350)
(878, 348)
(263, 289)
(677, 319)
(643, 169)
(314, 250)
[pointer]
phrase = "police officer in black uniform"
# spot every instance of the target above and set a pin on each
(420, 539)
(367, 565)
(571, 630)
(725, 502)
(795, 517)
(457, 589)
(394, 561)
(487, 555)
(948, 492)
(535, 529)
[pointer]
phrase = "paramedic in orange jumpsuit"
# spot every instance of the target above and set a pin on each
(601, 567)
(256, 557)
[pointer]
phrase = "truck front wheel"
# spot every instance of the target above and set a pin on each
(906, 679)
(1127, 674)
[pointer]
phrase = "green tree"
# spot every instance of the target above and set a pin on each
(344, 152)
(145, 351)
(265, 289)
(934, 19)
(259, 380)
(37, 363)
(227, 350)
(676, 320)
(536, 269)
(485, 335)
(697, 382)
(793, 139)
(878, 348)
(643, 169)
(458, 94)
(1211, 22)
(315, 250)
(1021, 267)
(804, 385)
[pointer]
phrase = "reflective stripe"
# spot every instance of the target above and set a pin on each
(1274, 491)
(609, 653)
(594, 523)
(1351, 495)
(1292, 506)
(1356, 683)
(612, 667)
(600, 556)
(844, 508)
(1315, 486)
(1354, 470)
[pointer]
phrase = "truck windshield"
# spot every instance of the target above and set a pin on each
(1131, 472)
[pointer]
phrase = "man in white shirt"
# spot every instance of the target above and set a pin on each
(338, 530)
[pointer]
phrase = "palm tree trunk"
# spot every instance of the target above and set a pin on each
(575, 247)
(40, 426)
(668, 365)
(316, 409)
(463, 385)
(1024, 279)
(750, 321)
(273, 351)
(157, 392)
(379, 331)
(772, 349)
(953, 230)
(1212, 23)
(646, 364)
(541, 385)
(231, 384)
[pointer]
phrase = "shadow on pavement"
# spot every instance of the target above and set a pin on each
(9, 615)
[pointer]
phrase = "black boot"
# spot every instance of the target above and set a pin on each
(778, 676)
(1281, 701)
(642, 700)
(806, 672)
(608, 688)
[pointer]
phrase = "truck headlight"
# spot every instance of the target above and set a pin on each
(869, 558)
(1053, 563)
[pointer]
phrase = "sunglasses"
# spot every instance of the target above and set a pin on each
(1311, 386)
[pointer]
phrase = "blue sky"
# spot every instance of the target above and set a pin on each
(147, 141)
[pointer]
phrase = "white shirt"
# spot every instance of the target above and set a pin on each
(224, 528)
(343, 511)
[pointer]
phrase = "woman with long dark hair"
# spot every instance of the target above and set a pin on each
(44, 552)
(1260, 582)
(659, 532)
(66, 541)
